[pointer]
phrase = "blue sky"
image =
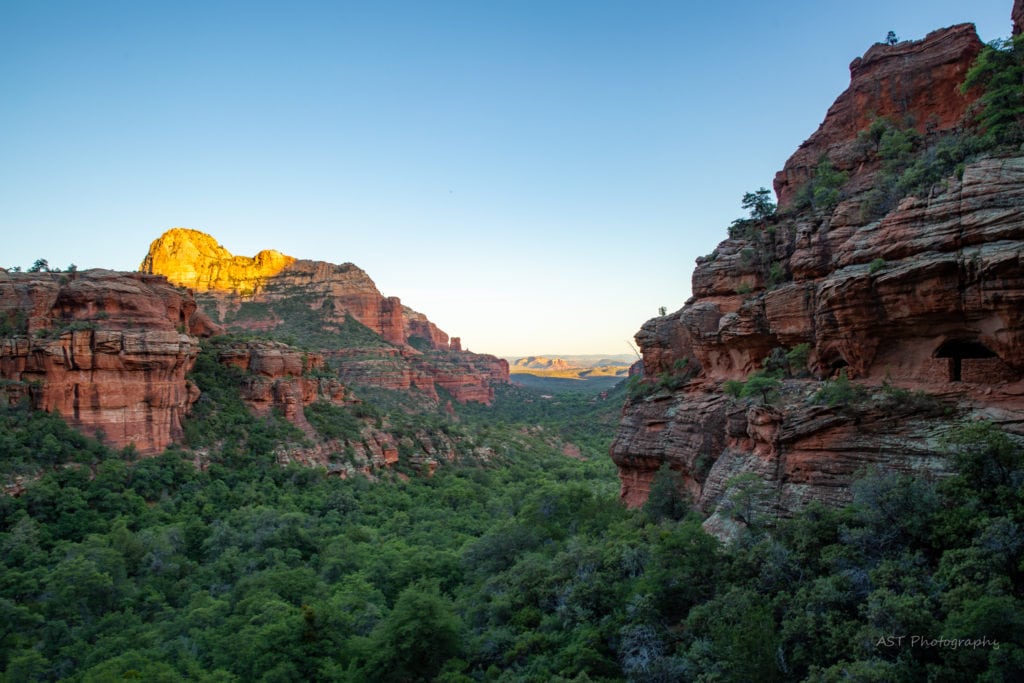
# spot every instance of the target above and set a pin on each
(535, 177)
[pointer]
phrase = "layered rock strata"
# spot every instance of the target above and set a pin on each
(921, 309)
(108, 351)
(279, 377)
(466, 376)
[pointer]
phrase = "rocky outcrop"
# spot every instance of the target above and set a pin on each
(284, 381)
(916, 315)
(280, 377)
(193, 259)
(880, 297)
(376, 340)
(915, 81)
(107, 350)
(466, 376)
(417, 327)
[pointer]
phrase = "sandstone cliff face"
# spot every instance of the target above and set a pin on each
(193, 259)
(278, 377)
(928, 298)
(915, 80)
(110, 351)
(273, 292)
(468, 377)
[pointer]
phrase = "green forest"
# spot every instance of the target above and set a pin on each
(522, 568)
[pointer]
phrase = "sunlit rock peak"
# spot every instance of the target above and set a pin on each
(193, 259)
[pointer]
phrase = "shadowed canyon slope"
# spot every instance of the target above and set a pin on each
(874, 320)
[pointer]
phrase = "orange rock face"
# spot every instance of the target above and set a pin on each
(468, 377)
(109, 351)
(917, 81)
(928, 297)
(193, 259)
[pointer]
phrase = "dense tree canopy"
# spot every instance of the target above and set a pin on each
(524, 568)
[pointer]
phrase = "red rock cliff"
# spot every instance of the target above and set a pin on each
(278, 377)
(191, 258)
(275, 292)
(915, 80)
(108, 350)
(926, 298)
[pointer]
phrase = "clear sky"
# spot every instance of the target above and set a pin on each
(536, 177)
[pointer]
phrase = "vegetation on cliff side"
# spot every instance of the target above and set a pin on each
(999, 74)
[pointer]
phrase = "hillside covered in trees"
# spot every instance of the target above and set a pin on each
(523, 568)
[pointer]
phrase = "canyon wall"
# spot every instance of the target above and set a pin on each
(916, 314)
(193, 259)
(108, 350)
(914, 81)
(324, 305)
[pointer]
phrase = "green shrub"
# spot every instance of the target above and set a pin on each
(876, 265)
(763, 386)
(990, 460)
(759, 203)
(999, 72)
(910, 163)
(667, 498)
(742, 228)
(333, 422)
(797, 357)
(421, 344)
(788, 362)
(13, 323)
(733, 387)
(911, 401)
(824, 189)
(761, 208)
(839, 392)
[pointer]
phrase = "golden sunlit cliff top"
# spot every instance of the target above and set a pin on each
(193, 259)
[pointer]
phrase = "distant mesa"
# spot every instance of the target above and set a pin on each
(571, 367)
